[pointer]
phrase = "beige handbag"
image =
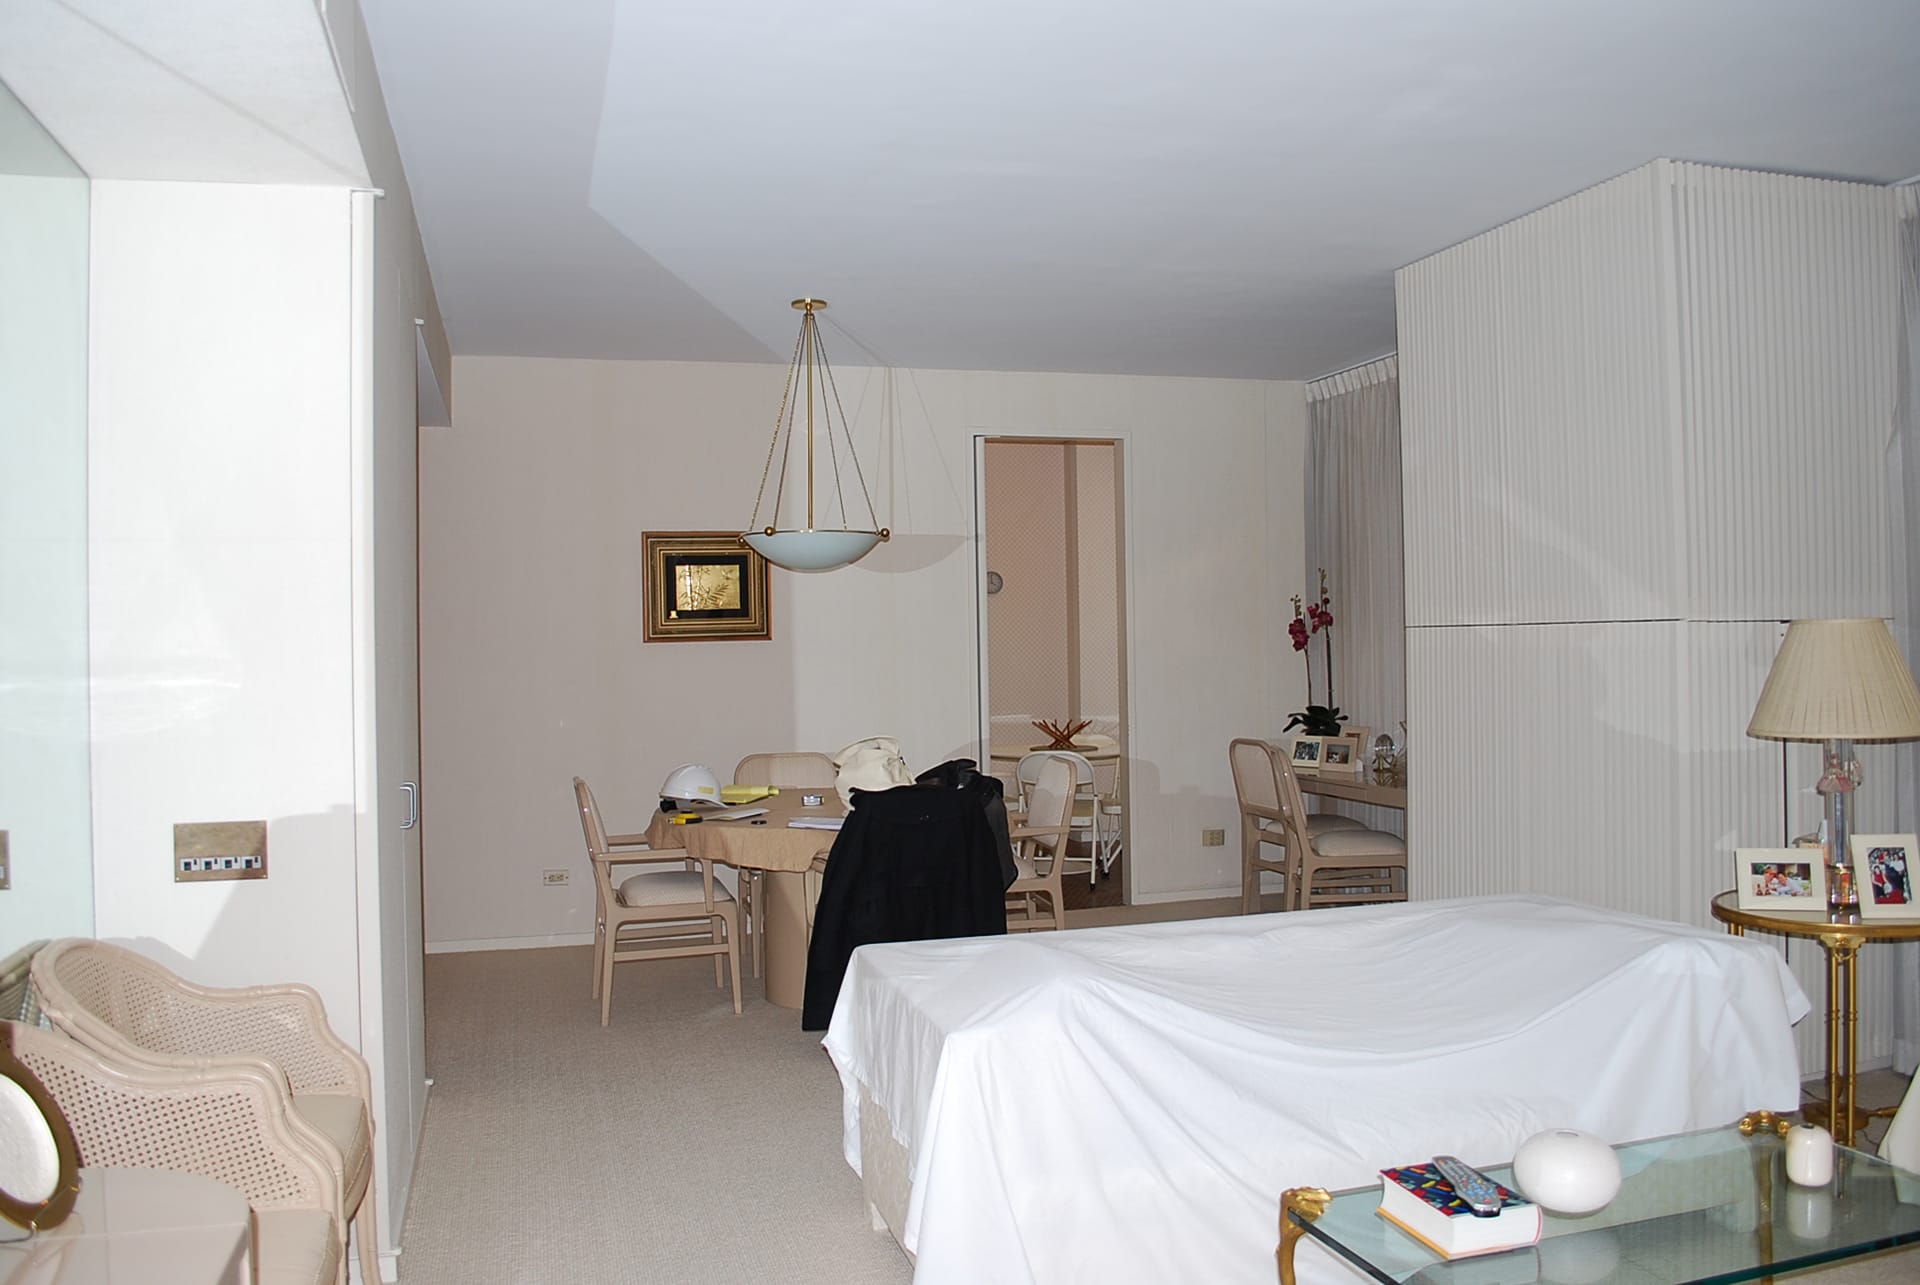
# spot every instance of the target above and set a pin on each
(870, 764)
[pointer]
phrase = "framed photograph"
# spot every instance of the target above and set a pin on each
(1338, 754)
(1883, 867)
(702, 586)
(1360, 740)
(1305, 754)
(1781, 878)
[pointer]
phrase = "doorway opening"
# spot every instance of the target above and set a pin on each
(1053, 518)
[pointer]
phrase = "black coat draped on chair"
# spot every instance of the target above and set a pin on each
(912, 863)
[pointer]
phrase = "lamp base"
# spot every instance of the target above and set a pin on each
(1839, 775)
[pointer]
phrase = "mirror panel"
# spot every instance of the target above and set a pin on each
(45, 808)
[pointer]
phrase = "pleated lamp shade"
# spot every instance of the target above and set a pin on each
(1838, 680)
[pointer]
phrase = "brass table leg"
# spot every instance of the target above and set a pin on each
(1309, 1203)
(1840, 1112)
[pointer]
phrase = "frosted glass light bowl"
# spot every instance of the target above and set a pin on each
(1567, 1171)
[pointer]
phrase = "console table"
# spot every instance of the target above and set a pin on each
(1355, 787)
(1697, 1207)
(1841, 936)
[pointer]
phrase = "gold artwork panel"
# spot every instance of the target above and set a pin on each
(704, 586)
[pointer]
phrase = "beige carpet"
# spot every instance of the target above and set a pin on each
(680, 1145)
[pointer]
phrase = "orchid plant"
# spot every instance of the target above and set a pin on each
(1315, 618)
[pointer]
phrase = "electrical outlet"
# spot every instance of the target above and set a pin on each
(219, 850)
(553, 878)
(1213, 838)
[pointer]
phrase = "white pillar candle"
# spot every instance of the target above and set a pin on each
(1809, 1155)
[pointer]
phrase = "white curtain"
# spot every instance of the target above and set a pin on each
(1354, 531)
(1903, 484)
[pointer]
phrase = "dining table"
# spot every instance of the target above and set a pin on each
(784, 852)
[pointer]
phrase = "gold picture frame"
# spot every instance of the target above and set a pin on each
(704, 586)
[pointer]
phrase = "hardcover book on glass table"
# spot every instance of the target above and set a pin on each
(1417, 1200)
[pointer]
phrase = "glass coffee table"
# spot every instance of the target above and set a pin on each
(1713, 1206)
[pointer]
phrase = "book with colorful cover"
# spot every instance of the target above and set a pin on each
(1417, 1200)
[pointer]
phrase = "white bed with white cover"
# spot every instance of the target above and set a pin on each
(1127, 1104)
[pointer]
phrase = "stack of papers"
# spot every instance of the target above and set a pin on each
(735, 814)
(814, 823)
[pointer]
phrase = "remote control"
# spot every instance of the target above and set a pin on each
(1472, 1186)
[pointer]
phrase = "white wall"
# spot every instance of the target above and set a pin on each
(533, 670)
(1640, 428)
(220, 603)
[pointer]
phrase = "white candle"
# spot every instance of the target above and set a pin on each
(1809, 1155)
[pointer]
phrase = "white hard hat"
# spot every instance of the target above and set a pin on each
(692, 783)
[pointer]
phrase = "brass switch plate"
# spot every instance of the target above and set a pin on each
(205, 850)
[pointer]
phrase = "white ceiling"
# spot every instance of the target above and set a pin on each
(217, 91)
(1220, 187)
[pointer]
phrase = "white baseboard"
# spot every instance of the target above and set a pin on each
(509, 943)
(1191, 894)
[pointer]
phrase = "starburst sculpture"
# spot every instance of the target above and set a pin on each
(1060, 735)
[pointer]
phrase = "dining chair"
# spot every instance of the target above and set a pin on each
(230, 1119)
(134, 1012)
(1256, 788)
(1335, 867)
(793, 770)
(655, 914)
(1040, 844)
(1089, 818)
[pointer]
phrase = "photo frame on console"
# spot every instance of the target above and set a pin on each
(704, 586)
(1339, 754)
(1780, 878)
(1360, 738)
(1304, 753)
(1883, 869)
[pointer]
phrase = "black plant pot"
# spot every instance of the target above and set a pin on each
(1317, 720)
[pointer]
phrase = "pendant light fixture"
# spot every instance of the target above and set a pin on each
(811, 548)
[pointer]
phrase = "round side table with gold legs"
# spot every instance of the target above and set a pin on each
(1841, 936)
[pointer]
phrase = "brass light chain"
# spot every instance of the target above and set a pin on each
(782, 441)
(780, 417)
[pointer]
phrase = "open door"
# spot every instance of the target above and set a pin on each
(1053, 627)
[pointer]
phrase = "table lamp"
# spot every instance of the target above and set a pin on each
(1838, 681)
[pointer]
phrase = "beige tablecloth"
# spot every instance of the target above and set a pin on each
(773, 846)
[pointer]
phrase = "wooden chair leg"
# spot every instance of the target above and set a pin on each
(733, 961)
(366, 1231)
(759, 931)
(599, 945)
(1249, 873)
(606, 976)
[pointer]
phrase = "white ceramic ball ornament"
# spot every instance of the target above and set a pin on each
(1567, 1171)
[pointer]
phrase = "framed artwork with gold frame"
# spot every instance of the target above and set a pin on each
(704, 586)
